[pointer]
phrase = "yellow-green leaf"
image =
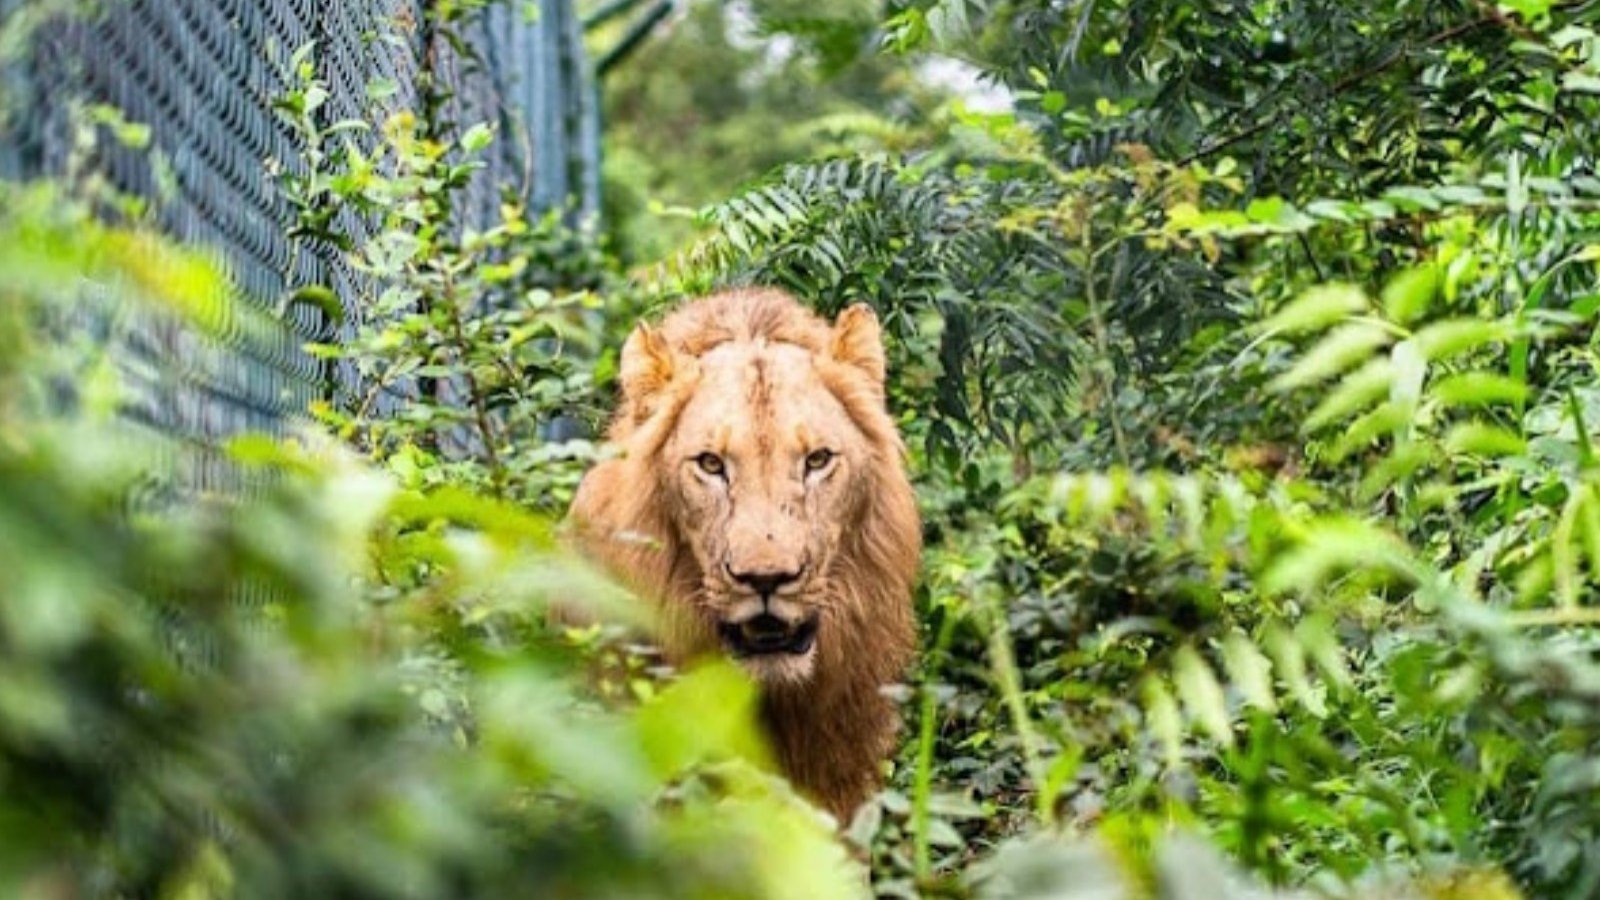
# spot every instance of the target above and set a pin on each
(1344, 347)
(1316, 636)
(1327, 548)
(1483, 439)
(1385, 419)
(1442, 340)
(1564, 552)
(1316, 309)
(1407, 295)
(320, 297)
(1249, 670)
(1161, 715)
(477, 138)
(1401, 462)
(707, 714)
(1290, 660)
(1410, 371)
(1201, 694)
(1355, 392)
(1478, 389)
(1588, 522)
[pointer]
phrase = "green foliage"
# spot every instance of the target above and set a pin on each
(1005, 286)
(1249, 373)
(344, 685)
(486, 337)
(236, 700)
(1312, 289)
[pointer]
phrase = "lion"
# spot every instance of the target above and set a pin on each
(761, 498)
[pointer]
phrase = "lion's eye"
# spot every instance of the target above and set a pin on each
(817, 460)
(711, 464)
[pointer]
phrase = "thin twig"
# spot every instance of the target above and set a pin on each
(1539, 618)
(1348, 81)
(479, 406)
(1102, 341)
(1316, 267)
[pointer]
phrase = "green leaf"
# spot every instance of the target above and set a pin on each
(1355, 392)
(705, 715)
(1063, 769)
(302, 54)
(1441, 340)
(1407, 295)
(1412, 198)
(1328, 547)
(1316, 635)
(320, 297)
(1201, 694)
(1386, 419)
(525, 713)
(463, 508)
(1588, 526)
(1377, 209)
(380, 89)
(1564, 551)
(1265, 209)
(1342, 348)
(1163, 720)
(1569, 35)
(1402, 462)
(1530, 10)
(1516, 187)
(1580, 428)
(477, 138)
(1316, 309)
(1290, 660)
(266, 451)
(313, 98)
(1249, 671)
(943, 834)
(1579, 81)
(133, 135)
(1410, 371)
(1478, 389)
(1484, 439)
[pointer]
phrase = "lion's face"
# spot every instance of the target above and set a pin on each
(766, 467)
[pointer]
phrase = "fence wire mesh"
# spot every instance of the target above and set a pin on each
(202, 74)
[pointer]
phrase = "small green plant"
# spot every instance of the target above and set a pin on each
(470, 348)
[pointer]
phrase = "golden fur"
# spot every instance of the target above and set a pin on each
(754, 439)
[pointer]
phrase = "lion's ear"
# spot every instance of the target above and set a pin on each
(858, 341)
(648, 365)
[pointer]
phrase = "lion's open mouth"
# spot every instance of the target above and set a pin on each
(766, 634)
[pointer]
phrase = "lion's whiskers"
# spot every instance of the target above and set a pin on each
(712, 597)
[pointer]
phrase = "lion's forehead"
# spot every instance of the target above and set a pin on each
(769, 394)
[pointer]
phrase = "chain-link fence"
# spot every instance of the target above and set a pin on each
(202, 74)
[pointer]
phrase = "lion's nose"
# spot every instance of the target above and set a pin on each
(764, 582)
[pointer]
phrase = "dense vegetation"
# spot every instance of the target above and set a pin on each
(1246, 366)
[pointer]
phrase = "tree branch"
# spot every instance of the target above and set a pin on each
(1348, 81)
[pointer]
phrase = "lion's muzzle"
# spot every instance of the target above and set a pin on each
(766, 634)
